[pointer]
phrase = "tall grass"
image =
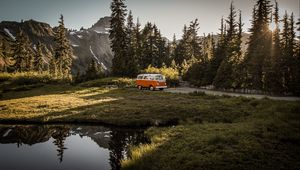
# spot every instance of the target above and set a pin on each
(28, 78)
(110, 81)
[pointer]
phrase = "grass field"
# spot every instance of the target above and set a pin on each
(200, 131)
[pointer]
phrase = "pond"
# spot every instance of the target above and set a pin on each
(65, 147)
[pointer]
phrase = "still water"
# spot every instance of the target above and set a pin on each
(65, 147)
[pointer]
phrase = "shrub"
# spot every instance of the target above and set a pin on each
(110, 81)
(5, 77)
(171, 74)
(27, 78)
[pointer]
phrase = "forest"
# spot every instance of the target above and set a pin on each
(269, 65)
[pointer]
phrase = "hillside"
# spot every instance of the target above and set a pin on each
(87, 44)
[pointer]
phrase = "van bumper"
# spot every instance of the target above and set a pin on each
(161, 87)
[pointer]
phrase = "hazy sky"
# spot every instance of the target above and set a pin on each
(168, 15)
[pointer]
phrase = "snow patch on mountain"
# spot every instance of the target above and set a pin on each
(7, 132)
(75, 45)
(103, 66)
(10, 34)
(101, 32)
(94, 55)
(80, 36)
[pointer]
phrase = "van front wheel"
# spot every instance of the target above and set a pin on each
(140, 87)
(152, 88)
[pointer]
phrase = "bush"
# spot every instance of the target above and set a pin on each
(110, 81)
(171, 74)
(27, 78)
(5, 77)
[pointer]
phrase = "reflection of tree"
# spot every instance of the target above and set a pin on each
(116, 147)
(60, 135)
(119, 143)
(26, 134)
(32, 134)
(116, 140)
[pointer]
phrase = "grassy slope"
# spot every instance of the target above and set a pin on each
(267, 138)
(130, 107)
(213, 132)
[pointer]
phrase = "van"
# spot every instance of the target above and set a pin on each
(151, 81)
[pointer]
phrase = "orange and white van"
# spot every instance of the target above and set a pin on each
(151, 81)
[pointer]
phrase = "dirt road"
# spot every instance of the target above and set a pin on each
(220, 93)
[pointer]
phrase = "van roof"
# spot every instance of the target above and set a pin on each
(149, 74)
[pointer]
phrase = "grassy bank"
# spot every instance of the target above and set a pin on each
(266, 138)
(210, 132)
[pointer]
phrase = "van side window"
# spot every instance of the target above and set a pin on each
(158, 78)
(145, 77)
(140, 77)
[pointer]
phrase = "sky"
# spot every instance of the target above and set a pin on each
(169, 15)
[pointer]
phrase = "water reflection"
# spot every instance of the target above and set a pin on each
(65, 146)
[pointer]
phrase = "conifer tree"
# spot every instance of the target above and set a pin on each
(63, 52)
(189, 46)
(92, 71)
(21, 52)
(297, 62)
(131, 68)
(288, 45)
(290, 56)
(137, 44)
(224, 77)
(238, 65)
(118, 37)
(218, 57)
(38, 61)
(274, 76)
(173, 47)
(259, 45)
(181, 48)
(3, 57)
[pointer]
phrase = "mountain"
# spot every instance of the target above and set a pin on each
(88, 44)
(92, 44)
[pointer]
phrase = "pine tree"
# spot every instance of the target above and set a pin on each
(181, 49)
(3, 57)
(259, 45)
(137, 44)
(21, 53)
(190, 45)
(92, 71)
(63, 52)
(274, 75)
(238, 65)
(173, 47)
(288, 45)
(297, 63)
(131, 68)
(118, 37)
(218, 57)
(38, 61)
(154, 48)
(224, 77)
(291, 58)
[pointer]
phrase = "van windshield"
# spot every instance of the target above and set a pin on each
(159, 77)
